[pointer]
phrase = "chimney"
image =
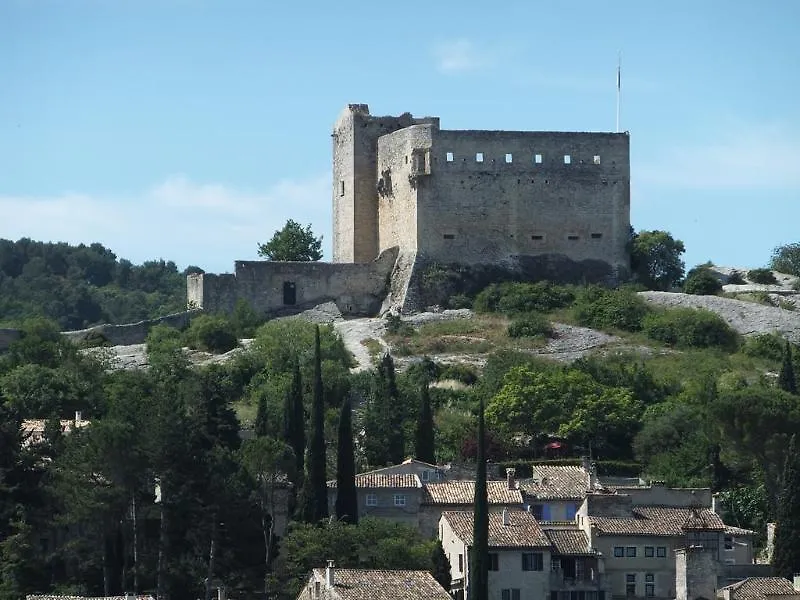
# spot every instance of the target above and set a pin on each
(130, 596)
(512, 482)
(330, 577)
(77, 417)
(506, 520)
(796, 582)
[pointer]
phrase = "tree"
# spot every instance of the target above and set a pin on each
(346, 496)
(314, 495)
(786, 259)
(424, 448)
(294, 419)
(479, 559)
(292, 243)
(786, 556)
(700, 281)
(261, 426)
(656, 259)
(384, 417)
(786, 379)
(441, 566)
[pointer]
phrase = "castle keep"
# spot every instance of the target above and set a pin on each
(408, 194)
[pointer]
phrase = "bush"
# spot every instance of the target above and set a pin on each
(763, 276)
(764, 345)
(689, 328)
(736, 278)
(395, 325)
(459, 372)
(530, 325)
(610, 309)
(702, 282)
(510, 298)
(459, 301)
(211, 333)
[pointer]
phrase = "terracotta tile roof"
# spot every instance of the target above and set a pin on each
(369, 584)
(758, 588)
(569, 542)
(57, 597)
(463, 492)
(556, 482)
(658, 521)
(731, 530)
(523, 531)
(377, 480)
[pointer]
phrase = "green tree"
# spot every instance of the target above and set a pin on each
(656, 259)
(384, 418)
(294, 419)
(292, 243)
(261, 426)
(314, 494)
(786, 556)
(424, 433)
(441, 566)
(346, 496)
(479, 555)
(786, 259)
(786, 379)
(700, 281)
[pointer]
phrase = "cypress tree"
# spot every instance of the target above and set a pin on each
(424, 445)
(314, 495)
(786, 555)
(393, 411)
(441, 566)
(262, 423)
(294, 433)
(346, 496)
(479, 560)
(786, 380)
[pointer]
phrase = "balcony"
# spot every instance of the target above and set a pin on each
(586, 581)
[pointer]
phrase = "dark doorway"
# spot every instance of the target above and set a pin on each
(289, 293)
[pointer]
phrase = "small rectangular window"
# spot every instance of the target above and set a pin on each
(372, 500)
(630, 551)
(460, 563)
(567, 159)
(399, 499)
(494, 562)
(572, 237)
(509, 158)
(728, 542)
(449, 157)
(449, 236)
(650, 590)
(537, 158)
(597, 236)
(619, 551)
(532, 561)
(649, 551)
(596, 159)
(510, 594)
(661, 552)
(341, 187)
(426, 475)
(537, 237)
(569, 511)
(649, 578)
(479, 157)
(630, 589)
(630, 578)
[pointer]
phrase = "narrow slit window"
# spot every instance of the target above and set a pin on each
(537, 237)
(597, 236)
(341, 187)
(596, 159)
(509, 157)
(572, 237)
(449, 157)
(567, 159)
(537, 158)
(479, 157)
(449, 236)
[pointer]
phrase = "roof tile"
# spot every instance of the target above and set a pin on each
(758, 588)
(372, 584)
(569, 542)
(378, 480)
(463, 492)
(658, 521)
(550, 482)
(522, 531)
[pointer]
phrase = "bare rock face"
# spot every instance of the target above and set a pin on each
(748, 318)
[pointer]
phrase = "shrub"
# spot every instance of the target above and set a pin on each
(510, 298)
(736, 278)
(530, 325)
(395, 325)
(763, 276)
(459, 372)
(689, 328)
(764, 345)
(702, 282)
(610, 309)
(211, 333)
(459, 301)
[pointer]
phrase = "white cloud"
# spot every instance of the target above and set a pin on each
(765, 157)
(459, 56)
(207, 224)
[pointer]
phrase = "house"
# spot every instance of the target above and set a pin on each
(460, 495)
(332, 583)
(761, 588)
(526, 561)
(554, 493)
(33, 430)
(394, 496)
(59, 597)
(640, 542)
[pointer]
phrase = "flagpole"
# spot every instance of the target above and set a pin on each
(619, 84)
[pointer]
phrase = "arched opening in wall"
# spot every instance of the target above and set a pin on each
(289, 293)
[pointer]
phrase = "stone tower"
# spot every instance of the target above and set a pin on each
(355, 179)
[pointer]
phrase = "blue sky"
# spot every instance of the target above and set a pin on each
(192, 129)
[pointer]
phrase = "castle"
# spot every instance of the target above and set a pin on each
(408, 194)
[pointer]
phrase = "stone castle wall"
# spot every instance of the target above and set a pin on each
(272, 287)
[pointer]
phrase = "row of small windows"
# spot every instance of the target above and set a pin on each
(531, 561)
(649, 585)
(397, 500)
(649, 551)
(538, 237)
(509, 158)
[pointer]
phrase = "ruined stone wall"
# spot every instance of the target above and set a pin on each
(356, 288)
(355, 178)
(130, 333)
(533, 193)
